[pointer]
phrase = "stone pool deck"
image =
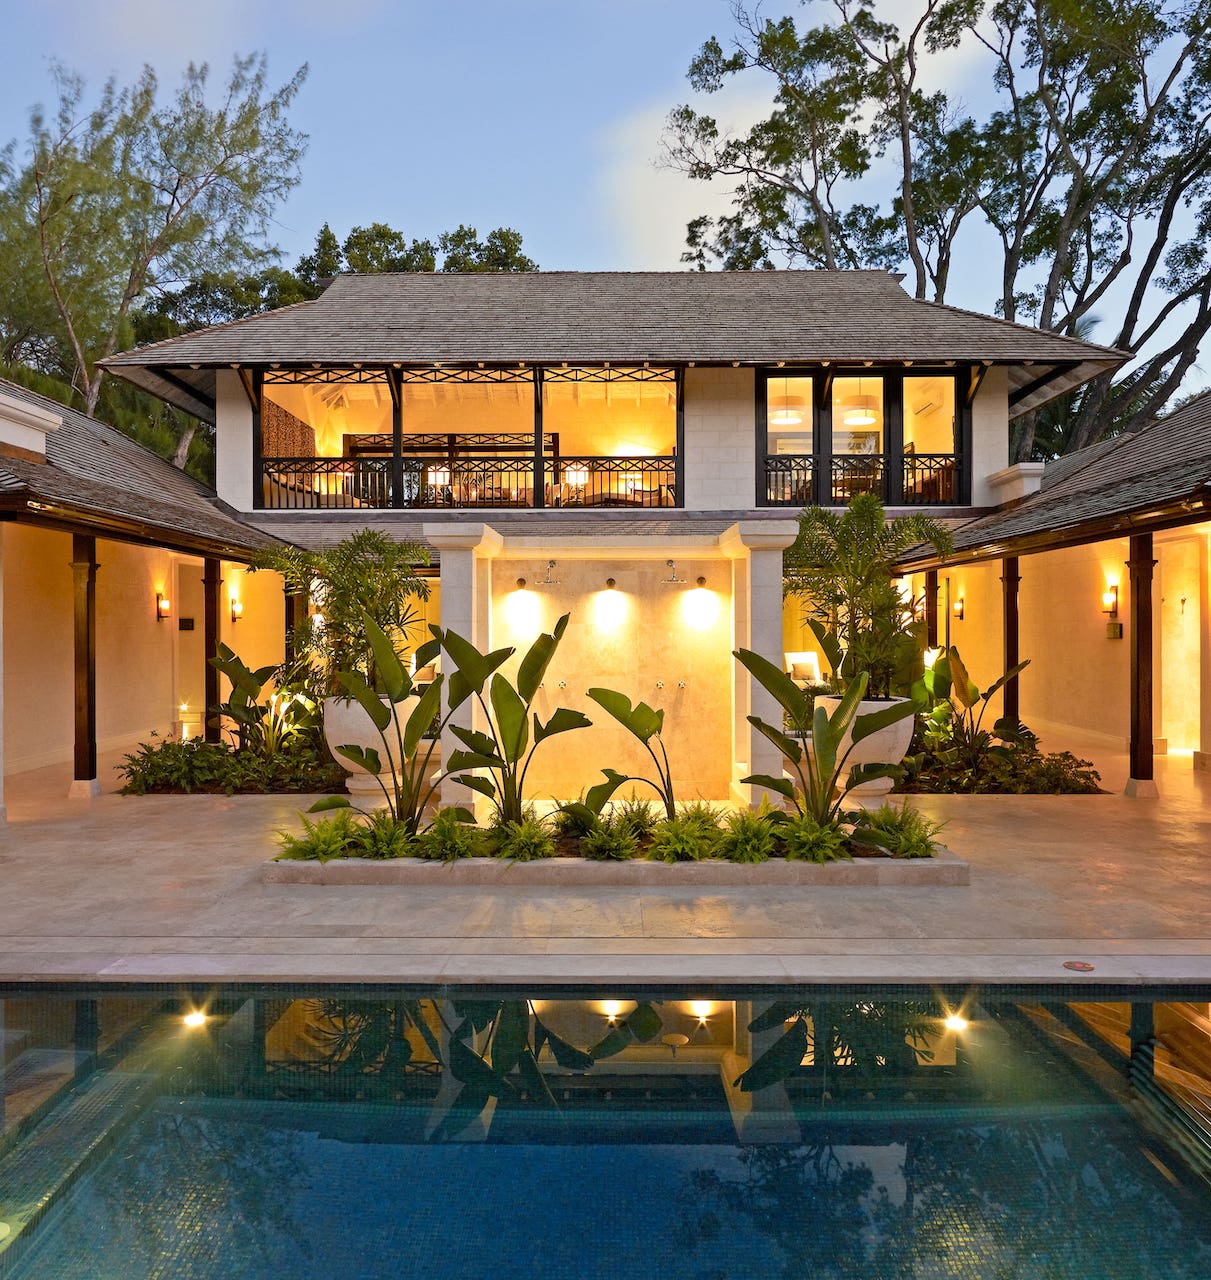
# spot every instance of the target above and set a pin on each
(168, 888)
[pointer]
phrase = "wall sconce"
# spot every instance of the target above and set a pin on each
(610, 584)
(957, 609)
(163, 607)
(1110, 601)
(237, 609)
(521, 584)
(701, 581)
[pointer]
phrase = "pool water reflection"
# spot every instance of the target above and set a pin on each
(823, 1133)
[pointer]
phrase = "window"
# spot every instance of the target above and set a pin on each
(858, 416)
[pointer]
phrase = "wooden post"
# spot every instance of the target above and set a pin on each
(1009, 592)
(295, 608)
(931, 608)
(212, 580)
(84, 574)
(1140, 780)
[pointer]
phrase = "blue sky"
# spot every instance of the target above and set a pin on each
(543, 115)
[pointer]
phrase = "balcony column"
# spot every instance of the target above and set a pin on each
(1202, 757)
(1009, 593)
(1140, 780)
(755, 550)
(85, 784)
(931, 608)
(466, 552)
(212, 580)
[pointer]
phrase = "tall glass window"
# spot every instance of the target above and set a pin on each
(929, 438)
(858, 417)
(788, 416)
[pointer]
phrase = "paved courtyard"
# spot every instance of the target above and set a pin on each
(167, 888)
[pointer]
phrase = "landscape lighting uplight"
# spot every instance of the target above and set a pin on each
(163, 606)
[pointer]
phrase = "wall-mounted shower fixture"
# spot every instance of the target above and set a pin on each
(673, 580)
(548, 581)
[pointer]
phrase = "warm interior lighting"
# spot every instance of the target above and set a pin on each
(804, 666)
(439, 476)
(576, 475)
(931, 658)
(787, 411)
(955, 1022)
(861, 412)
(1110, 600)
(700, 609)
(163, 607)
(237, 609)
(195, 1018)
(957, 609)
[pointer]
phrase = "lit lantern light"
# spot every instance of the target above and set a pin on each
(611, 608)
(700, 607)
(523, 612)
(955, 1022)
(195, 1018)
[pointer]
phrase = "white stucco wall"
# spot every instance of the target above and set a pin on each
(720, 453)
(233, 441)
(989, 436)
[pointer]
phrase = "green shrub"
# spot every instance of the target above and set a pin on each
(807, 840)
(167, 765)
(573, 820)
(683, 840)
(383, 836)
(749, 835)
(637, 816)
(610, 842)
(525, 841)
(700, 814)
(326, 838)
(447, 839)
(903, 833)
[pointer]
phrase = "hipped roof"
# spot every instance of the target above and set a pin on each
(675, 317)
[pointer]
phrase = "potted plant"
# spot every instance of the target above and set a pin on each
(841, 568)
(367, 575)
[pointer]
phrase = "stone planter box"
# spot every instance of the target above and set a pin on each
(943, 869)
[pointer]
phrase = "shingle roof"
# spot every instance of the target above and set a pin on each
(1163, 469)
(754, 317)
(92, 469)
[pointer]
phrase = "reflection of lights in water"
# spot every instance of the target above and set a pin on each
(195, 1019)
(700, 609)
(610, 609)
(611, 1009)
(955, 1022)
(523, 612)
(701, 1009)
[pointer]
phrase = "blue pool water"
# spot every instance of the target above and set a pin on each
(288, 1137)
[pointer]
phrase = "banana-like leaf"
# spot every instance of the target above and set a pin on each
(324, 803)
(777, 1015)
(644, 1023)
(830, 644)
(378, 711)
(364, 757)
(790, 747)
(416, 1015)
(485, 786)
(1011, 674)
(473, 760)
(533, 666)
(873, 721)
(397, 683)
(512, 726)
(783, 786)
(643, 721)
(778, 1061)
(458, 689)
(567, 1055)
(534, 1079)
(562, 720)
(863, 773)
(479, 1013)
(614, 1041)
(467, 659)
(774, 681)
(422, 717)
(427, 652)
(825, 743)
(466, 1065)
(475, 741)
(512, 1035)
(598, 796)
(467, 1106)
(965, 688)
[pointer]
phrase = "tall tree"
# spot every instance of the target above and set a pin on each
(127, 198)
(1093, 167)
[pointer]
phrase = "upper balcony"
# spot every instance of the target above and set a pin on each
(468, 438)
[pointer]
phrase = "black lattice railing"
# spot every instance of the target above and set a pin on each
(788, 479)
(468, 482)
(930, 478)
(308, 484)
(855, 474)
(612, 482)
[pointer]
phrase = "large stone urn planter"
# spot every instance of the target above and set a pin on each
(888, 746)
(347, 724)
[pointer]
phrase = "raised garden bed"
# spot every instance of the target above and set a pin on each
(944, 868)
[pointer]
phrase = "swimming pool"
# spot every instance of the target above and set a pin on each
(376, 1132)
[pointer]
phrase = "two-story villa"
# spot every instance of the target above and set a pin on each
(627, 448)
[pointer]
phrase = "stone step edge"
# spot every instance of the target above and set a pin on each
(943, 869)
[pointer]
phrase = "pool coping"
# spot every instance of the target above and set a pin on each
(944, 869)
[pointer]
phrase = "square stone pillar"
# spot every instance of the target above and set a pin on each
(466, 552)
(755, 548)
(1202, 757)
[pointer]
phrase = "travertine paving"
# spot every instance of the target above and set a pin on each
(168, 888)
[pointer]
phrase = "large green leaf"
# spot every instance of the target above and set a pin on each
(783, 786)
(830, 645)
(473, 760)
(396, 682)
(458, 690)
(644, 1023)
(873, 721)
(965, 689)
(1011, 674)
(485, 786)
(598, 796)
(563, 720)
(324, 803)
(534, 1079)
(790, 747)
(777, 1015)
(479, 1013)
(567, 1055)
(466, 1065)
(643, 721)
(478, 742)
(378, 711)
(778, 1061)
(364, 757)
(470, 663)
(422, 717)
(614, 1041)
(863, 773)
(512, 1035)
(427, 652)
(774, 681)
(467, 1106)
(533, 666)
(512, 726)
